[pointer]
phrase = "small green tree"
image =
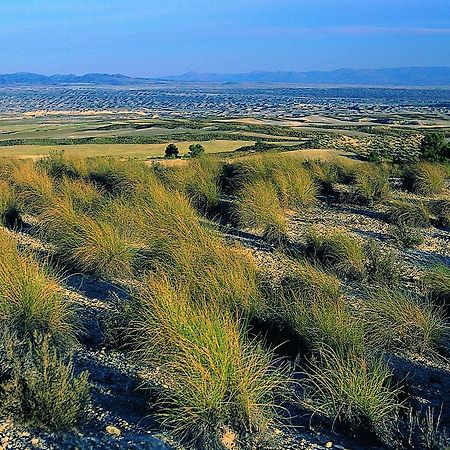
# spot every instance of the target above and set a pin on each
(196, 150)
(434, 147)
(172, 151)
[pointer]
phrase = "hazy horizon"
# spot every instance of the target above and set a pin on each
(152, 39)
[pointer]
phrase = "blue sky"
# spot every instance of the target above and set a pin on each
(150, 38)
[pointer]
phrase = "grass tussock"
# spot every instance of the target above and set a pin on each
(201, 183)
(220, 379)
(31, 300)
(382, 266)
(441, 209)
(425, 178)
(87, 244)
(309, 281)
(409, 213)
(259, 208)
(436, 281)
(405, 237)
(9, 207)
(337, 250)
(85, 196)
(398, 320)
(371, 185)
(44, 392)
(353, 390)
(35, 189)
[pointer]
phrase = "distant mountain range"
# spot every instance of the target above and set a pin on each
(405, 76)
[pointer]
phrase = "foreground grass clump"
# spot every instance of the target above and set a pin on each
(59, 166)
(259, 208)
(398, 320)
(425, 178)
(371, 185)
(382, 267)
(44, 391)
(441, 209)
(436, 281)
(292, 182)
(310, 282)
(409, 213)
(87, 244)
(31, 300)
(353, 390)
(406, 237)
(85, 196)
(35, 189)
(201, 183)
(9, 207)
(220, 379)
(337, 250)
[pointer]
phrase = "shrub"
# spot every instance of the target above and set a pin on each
(31, 300)
(383, 267)
(336, 250)
(371, 185)
(405, 237)
(433, 147)
(409, 213)
(34, 188)
(425, 178)
(219, 377)
(196, 150)
(44, 391)
(258, 207)
(9, 207)
(436, 281)
(354, 390)
(399, 320)
(172, 151)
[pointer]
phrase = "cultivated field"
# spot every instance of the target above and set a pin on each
(259, 299)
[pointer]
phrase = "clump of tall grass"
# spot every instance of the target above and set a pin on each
(441, 209)
(325, 174)
(371, 185)
(259, 208)
(354, 390)
(310, 282)
(405, 237)
(409, 213)
(34, 187)
(400, 320)
(201, 183)
(58, 166)
(425, 178)
(31, 300)
(44, 391)
(219, 378)
(119, 177)
(88, 244)
(323, 321)
(382, 267)
(436, 281)
(9, 207)
(293, 184)
(337, 250)
(85, 196)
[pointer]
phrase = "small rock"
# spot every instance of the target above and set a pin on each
(113, 431)
(35, 442)
(24, 434)
(329, 444)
